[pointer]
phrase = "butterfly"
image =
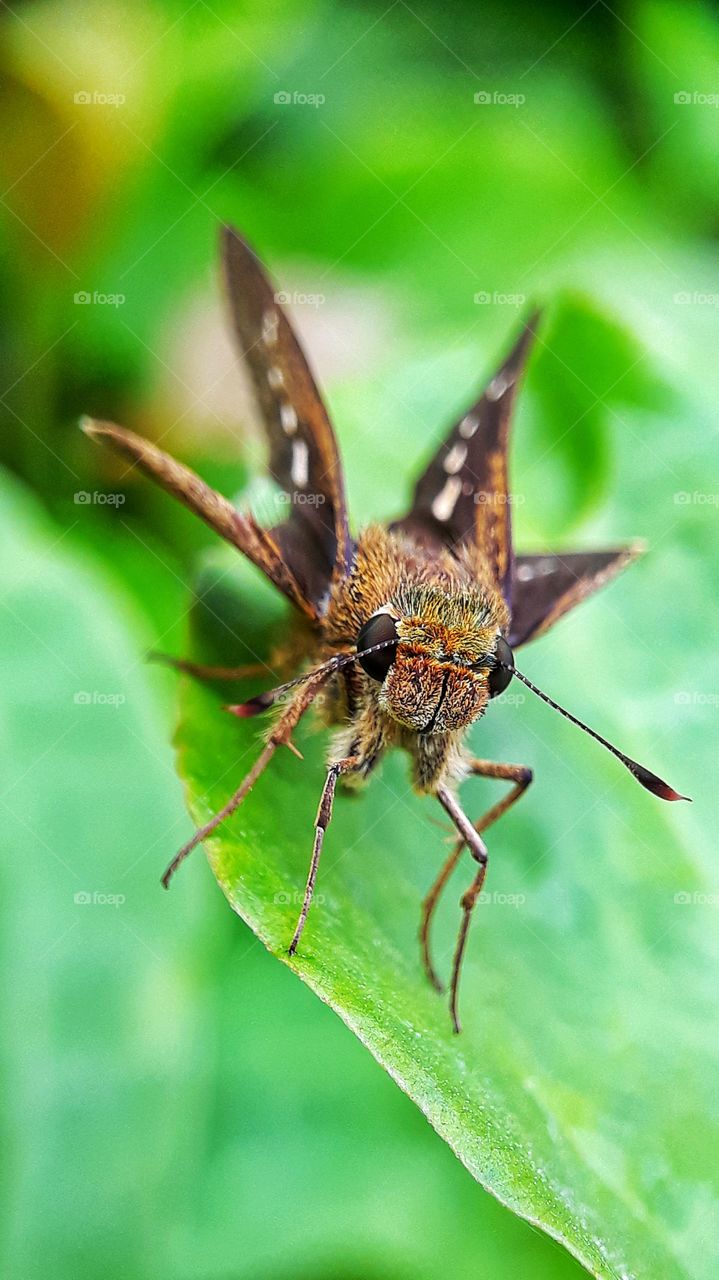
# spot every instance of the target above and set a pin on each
(408, 629)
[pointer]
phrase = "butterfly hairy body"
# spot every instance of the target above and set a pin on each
(427, 692)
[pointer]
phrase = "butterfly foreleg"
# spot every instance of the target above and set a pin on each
(359, 746)
(201, 671)
(280, 735)
(322, 821)
(283, 660)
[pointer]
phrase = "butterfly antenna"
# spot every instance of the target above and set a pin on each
(643, 776)
(262, 701)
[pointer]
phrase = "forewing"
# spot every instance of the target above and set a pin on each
(463, 496)
(547, 587)
(240, 530)
(304, 460)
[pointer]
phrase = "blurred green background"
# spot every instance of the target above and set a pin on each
(177, 1104)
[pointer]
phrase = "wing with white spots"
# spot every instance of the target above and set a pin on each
(304, 460)
(463, 496)
(547, 587)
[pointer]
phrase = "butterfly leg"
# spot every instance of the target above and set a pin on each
(428, 907)
(282, 661)
(322, 821)
(202, 672)
(521, 777)
(281, 733)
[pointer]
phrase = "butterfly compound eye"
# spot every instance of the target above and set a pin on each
(376, 630)
(499, 676)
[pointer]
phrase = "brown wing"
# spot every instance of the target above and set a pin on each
(241, 530)
(547, 587)
(314, 539)
(463, 496)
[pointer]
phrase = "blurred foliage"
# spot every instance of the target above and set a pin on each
(175, 1088)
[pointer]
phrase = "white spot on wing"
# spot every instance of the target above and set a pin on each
(300, 464)
(468, 426)
(446, 499)
(455, 459)
(499, 385)
(288, 418)
(537, 569)
(270, 324)
(275, 377)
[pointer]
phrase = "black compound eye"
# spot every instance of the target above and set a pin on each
(499, 677)
(376, 630)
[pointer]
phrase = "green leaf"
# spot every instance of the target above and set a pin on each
(146, 1035)
(100, 1042)
(579, 1093)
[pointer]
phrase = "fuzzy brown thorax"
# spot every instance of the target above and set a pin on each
(447, 625)
(435, 586)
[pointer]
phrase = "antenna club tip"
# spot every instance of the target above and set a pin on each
(656, 785)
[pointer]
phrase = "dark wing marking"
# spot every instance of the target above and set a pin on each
(463, 496)
(304, 460)
(547, 587)
(241, 530)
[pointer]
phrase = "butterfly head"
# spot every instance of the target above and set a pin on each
(447, 662)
